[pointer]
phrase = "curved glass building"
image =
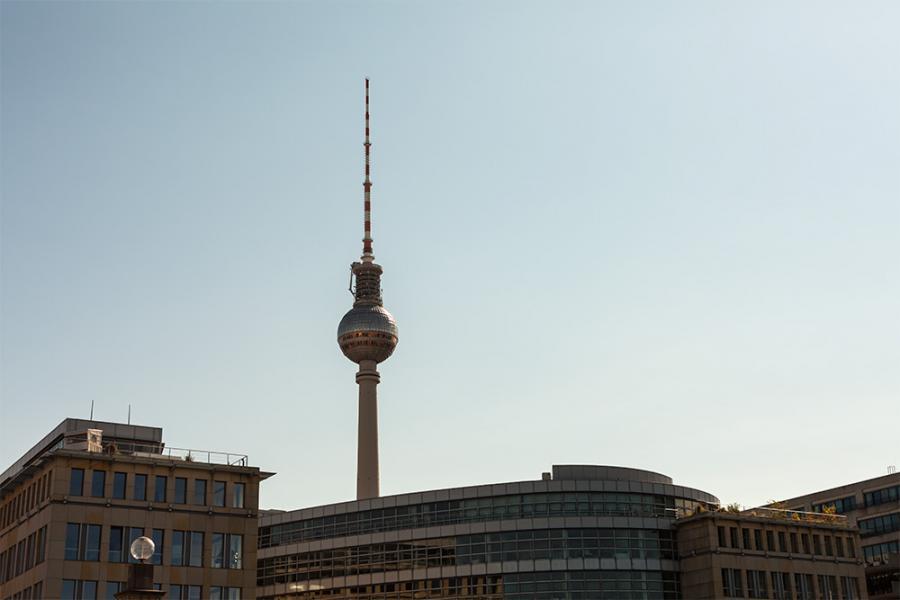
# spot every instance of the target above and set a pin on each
(581, 532)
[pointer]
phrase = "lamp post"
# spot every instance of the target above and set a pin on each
(140, 574)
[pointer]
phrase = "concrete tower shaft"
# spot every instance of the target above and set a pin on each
(367, 335)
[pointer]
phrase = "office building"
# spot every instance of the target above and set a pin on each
(582, 532)
(71, 506)
(769, 553)
(872, 505)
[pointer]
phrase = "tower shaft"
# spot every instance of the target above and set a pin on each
(367, 477)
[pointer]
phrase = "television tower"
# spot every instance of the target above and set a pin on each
(367, 335)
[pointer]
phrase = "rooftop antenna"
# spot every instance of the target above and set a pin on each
(92, 410)
(367, 256)
(129, 414)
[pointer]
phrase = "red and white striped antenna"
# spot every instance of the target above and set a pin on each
(367, 255)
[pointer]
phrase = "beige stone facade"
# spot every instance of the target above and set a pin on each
(68, 515)
(788, 556)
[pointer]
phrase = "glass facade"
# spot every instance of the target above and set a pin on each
(566, 541)
(494, 508)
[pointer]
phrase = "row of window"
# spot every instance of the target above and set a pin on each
(758, 586)
(21, 557)
(879, 525)
(78, 589)
(26, 499)
(880, 552)
(466, 550)
(139, 489)
(32, 592)
(83, 540)
(555, 585)
(752, 539)
(882, 496)
(556, 504)
(841, 505)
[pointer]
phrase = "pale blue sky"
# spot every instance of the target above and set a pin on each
(654, 234)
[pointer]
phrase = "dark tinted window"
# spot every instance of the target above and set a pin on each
(159, 488)
(180, 490)
(140, 487)
(119, 482)
(98, 484)
(200, 492)
(76, 482)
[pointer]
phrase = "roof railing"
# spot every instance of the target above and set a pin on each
(114, 447)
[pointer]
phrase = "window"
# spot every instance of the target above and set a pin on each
(757, 539)
(883, 496)
(782, 545)
(850, 586)
(119, 482)
(187, 548)
(237, 498)
(803, 585)
(794, 547)
(828, 587)
(841, 505)
(817, 544)
(878, 553)
(180, 490)
(839, 546)
(731, 581)
(159, 488)
(851, 549)
(804, 539)
(82, 542)
(200, 492)
(781, 585)
(76, 482)
(828, 550)
(116, 552)
(75, 589)
(184, 592)
(879, 525)
(770, 541)
(227, 551)
(756, 584)
(140, 486)
(98, 484)
(722, 536)
(745, 539)
(734, 537)
(219, 493)
(158, 536)
(224, 593)
(113, 588)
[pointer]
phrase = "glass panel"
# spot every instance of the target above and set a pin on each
(157, 537)
(88, 590)
(196, 559)
(234, 593)
(133, 534)
(218, 550)
(119, 481)
(194, 592)
(200, 492)
(235, 551)
(218, 493)
(159, 488)
(115, 545)
(180, 490)
(140, 487)
(76, 482)
(68, 589)
(73, 531)
(177, 548)
(92, 546)
(174, 592)
(98, 484)
(237, 498)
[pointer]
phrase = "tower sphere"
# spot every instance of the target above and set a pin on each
(367, 333)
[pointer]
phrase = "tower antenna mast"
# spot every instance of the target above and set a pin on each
(367, 335)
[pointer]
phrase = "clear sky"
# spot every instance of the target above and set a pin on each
(654, 234)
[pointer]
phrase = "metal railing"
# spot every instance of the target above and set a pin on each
(153, 450)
